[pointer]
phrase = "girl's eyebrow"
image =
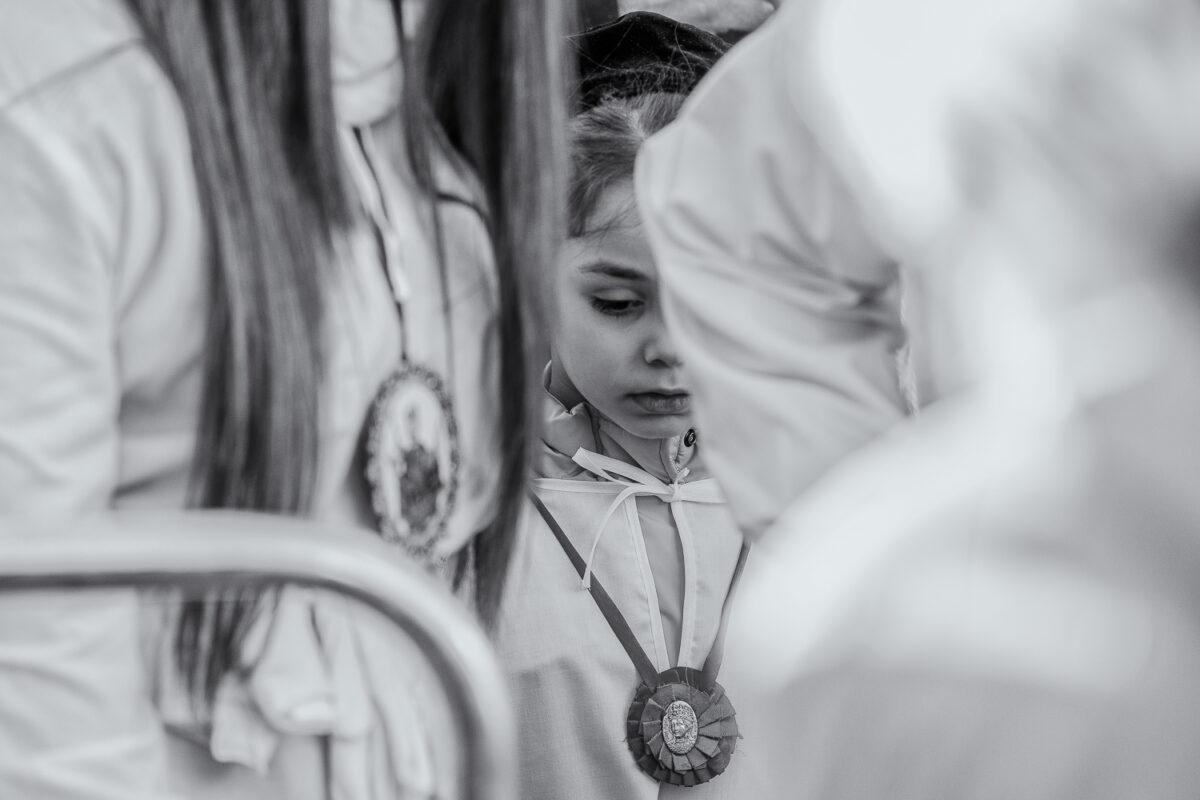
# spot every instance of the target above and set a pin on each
(614, 271)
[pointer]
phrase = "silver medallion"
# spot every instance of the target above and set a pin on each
(413, 460)
(679, 728)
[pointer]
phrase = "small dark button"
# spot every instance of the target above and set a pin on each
(689, 438)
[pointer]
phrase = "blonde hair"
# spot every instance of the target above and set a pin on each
(604, 143)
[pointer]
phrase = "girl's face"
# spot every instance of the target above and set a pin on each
(610, 345)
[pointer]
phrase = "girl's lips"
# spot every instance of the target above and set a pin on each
(663, 403)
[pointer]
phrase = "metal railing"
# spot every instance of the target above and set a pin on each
(211, 550)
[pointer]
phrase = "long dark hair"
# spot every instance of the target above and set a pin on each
(255, 86)
(254, 81)
(488, 76)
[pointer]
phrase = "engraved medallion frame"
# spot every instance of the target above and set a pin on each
(412, 510)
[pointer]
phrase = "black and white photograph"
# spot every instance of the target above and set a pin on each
(599, 400)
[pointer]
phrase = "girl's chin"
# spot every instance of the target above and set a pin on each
(659, 426)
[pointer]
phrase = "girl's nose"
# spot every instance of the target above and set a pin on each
(660, 351)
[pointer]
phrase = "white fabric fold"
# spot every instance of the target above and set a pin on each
(321, 665)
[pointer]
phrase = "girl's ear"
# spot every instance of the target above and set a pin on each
(560, 385)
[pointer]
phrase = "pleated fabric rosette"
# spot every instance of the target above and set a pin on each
(682, 731)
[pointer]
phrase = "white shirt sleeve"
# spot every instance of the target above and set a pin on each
(59, 388)
(76, 719)
(784, 309)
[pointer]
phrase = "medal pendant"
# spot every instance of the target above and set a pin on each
(413, 460)
(682, 731)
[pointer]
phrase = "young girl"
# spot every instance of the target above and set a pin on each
(615, 686)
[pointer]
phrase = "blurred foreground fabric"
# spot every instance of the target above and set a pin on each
(999, 599)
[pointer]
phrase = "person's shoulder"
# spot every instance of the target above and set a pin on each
(45, 41)
(94, 144)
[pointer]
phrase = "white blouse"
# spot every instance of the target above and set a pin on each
(102, 321)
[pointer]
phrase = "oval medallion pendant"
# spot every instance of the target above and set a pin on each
(682, 731)
(679, 727)
(413, 460)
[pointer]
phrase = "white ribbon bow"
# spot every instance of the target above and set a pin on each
(638, 482)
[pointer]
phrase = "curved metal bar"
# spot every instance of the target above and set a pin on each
(235, 549)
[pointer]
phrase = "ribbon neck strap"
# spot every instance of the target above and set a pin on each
(638, 483)
(624, 634)
(617, 622)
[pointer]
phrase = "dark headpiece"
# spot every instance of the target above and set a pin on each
(642, 52)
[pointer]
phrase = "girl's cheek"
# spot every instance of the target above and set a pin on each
(570, 314)
(609, 349)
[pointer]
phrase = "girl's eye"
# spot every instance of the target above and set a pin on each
(616, 308)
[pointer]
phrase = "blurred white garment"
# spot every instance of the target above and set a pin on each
(785, 310)
(57, 650)
(999, 600)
